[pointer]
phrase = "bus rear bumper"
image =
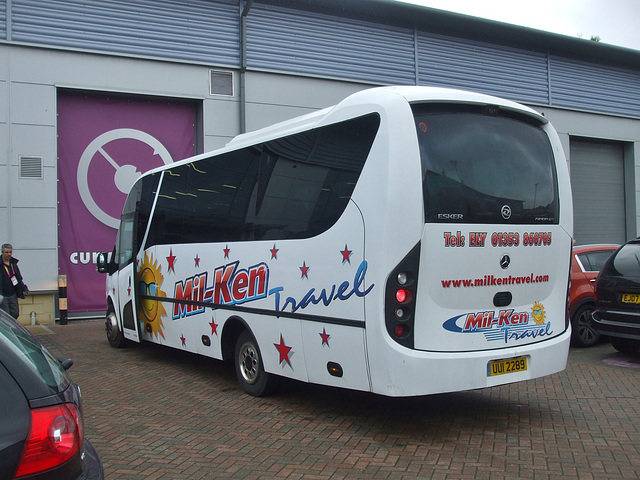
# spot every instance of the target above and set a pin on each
(423, 373)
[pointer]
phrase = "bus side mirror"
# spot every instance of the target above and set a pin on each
(101, 263)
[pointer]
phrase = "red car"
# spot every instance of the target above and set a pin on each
(586, 263)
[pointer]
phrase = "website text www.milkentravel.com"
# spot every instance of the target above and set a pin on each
(491, 280)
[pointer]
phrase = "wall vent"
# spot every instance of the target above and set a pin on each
(220, 83)
(30, 167)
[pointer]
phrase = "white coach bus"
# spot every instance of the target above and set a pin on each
(406, 241)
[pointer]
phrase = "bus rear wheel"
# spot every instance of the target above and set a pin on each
(250, 368)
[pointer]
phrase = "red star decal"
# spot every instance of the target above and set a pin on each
(346, 254)
(171, 259)
(283, 350)
(274, 252)
(183, 340)
(305, 270)
(214, 326)
(226, 251)
(325, 337)
(197, 260)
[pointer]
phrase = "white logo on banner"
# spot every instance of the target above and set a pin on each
(124, 175)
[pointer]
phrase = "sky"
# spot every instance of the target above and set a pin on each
(616, 22)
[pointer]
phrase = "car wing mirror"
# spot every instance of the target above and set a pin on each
(66, 363)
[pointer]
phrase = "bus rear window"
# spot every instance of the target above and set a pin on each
(483, 167)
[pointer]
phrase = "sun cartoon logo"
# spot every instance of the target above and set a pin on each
(538, 313)
(151, 311)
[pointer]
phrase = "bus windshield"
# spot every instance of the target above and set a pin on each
(483, 167)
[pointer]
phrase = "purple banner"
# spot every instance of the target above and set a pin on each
(104, 145)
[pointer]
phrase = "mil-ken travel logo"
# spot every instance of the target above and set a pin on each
(503, 325)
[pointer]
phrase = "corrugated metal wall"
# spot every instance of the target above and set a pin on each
(197, 30)
(594, 87)
(288, 40)
(597, 174)
(493, 69)
(295, 41)
(3, 19)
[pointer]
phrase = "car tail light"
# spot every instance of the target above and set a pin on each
(54, 437)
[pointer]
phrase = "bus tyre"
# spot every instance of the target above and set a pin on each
(249, 367)
(114, 332)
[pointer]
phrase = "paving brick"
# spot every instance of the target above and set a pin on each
(160, 414)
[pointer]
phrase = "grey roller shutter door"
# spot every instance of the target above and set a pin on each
(597, 181)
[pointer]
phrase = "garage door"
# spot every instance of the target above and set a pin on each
(597, 181)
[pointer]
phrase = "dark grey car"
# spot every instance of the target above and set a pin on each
(42, 432)
(617, 294)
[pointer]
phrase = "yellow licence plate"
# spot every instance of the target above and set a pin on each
(631, 298)
(510, 365)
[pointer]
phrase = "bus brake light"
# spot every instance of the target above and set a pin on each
(401, 331)
(403, 295)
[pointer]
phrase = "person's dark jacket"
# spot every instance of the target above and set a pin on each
(21, 288)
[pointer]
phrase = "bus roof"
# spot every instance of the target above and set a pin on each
(371, 96)
(412, 94)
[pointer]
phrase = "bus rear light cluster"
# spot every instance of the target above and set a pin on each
(400, 295)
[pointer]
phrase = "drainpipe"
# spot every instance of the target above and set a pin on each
(243, 65)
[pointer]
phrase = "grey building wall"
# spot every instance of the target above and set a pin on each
(610, 128)
(372, 41)
(293, 65)
(30, 78)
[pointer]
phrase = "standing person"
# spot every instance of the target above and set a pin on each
(12, 287)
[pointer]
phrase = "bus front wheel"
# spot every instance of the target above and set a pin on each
(114, 332)
(250, 368)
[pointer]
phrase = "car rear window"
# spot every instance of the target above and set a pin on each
(34, 355)
(594, 261)
(481, 165)
(627, 260)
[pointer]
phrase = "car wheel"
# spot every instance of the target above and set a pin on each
(250, 368)
(114, 332)
(625, 345)
(583, 333)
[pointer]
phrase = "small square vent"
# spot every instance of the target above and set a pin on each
(30, 167)
(220, 83)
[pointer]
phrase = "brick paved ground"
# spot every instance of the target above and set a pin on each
(155, 413)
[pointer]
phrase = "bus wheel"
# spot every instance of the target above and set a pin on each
(249, 367)
(114, 333)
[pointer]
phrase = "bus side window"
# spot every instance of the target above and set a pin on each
(312, 176)
(293, 187)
